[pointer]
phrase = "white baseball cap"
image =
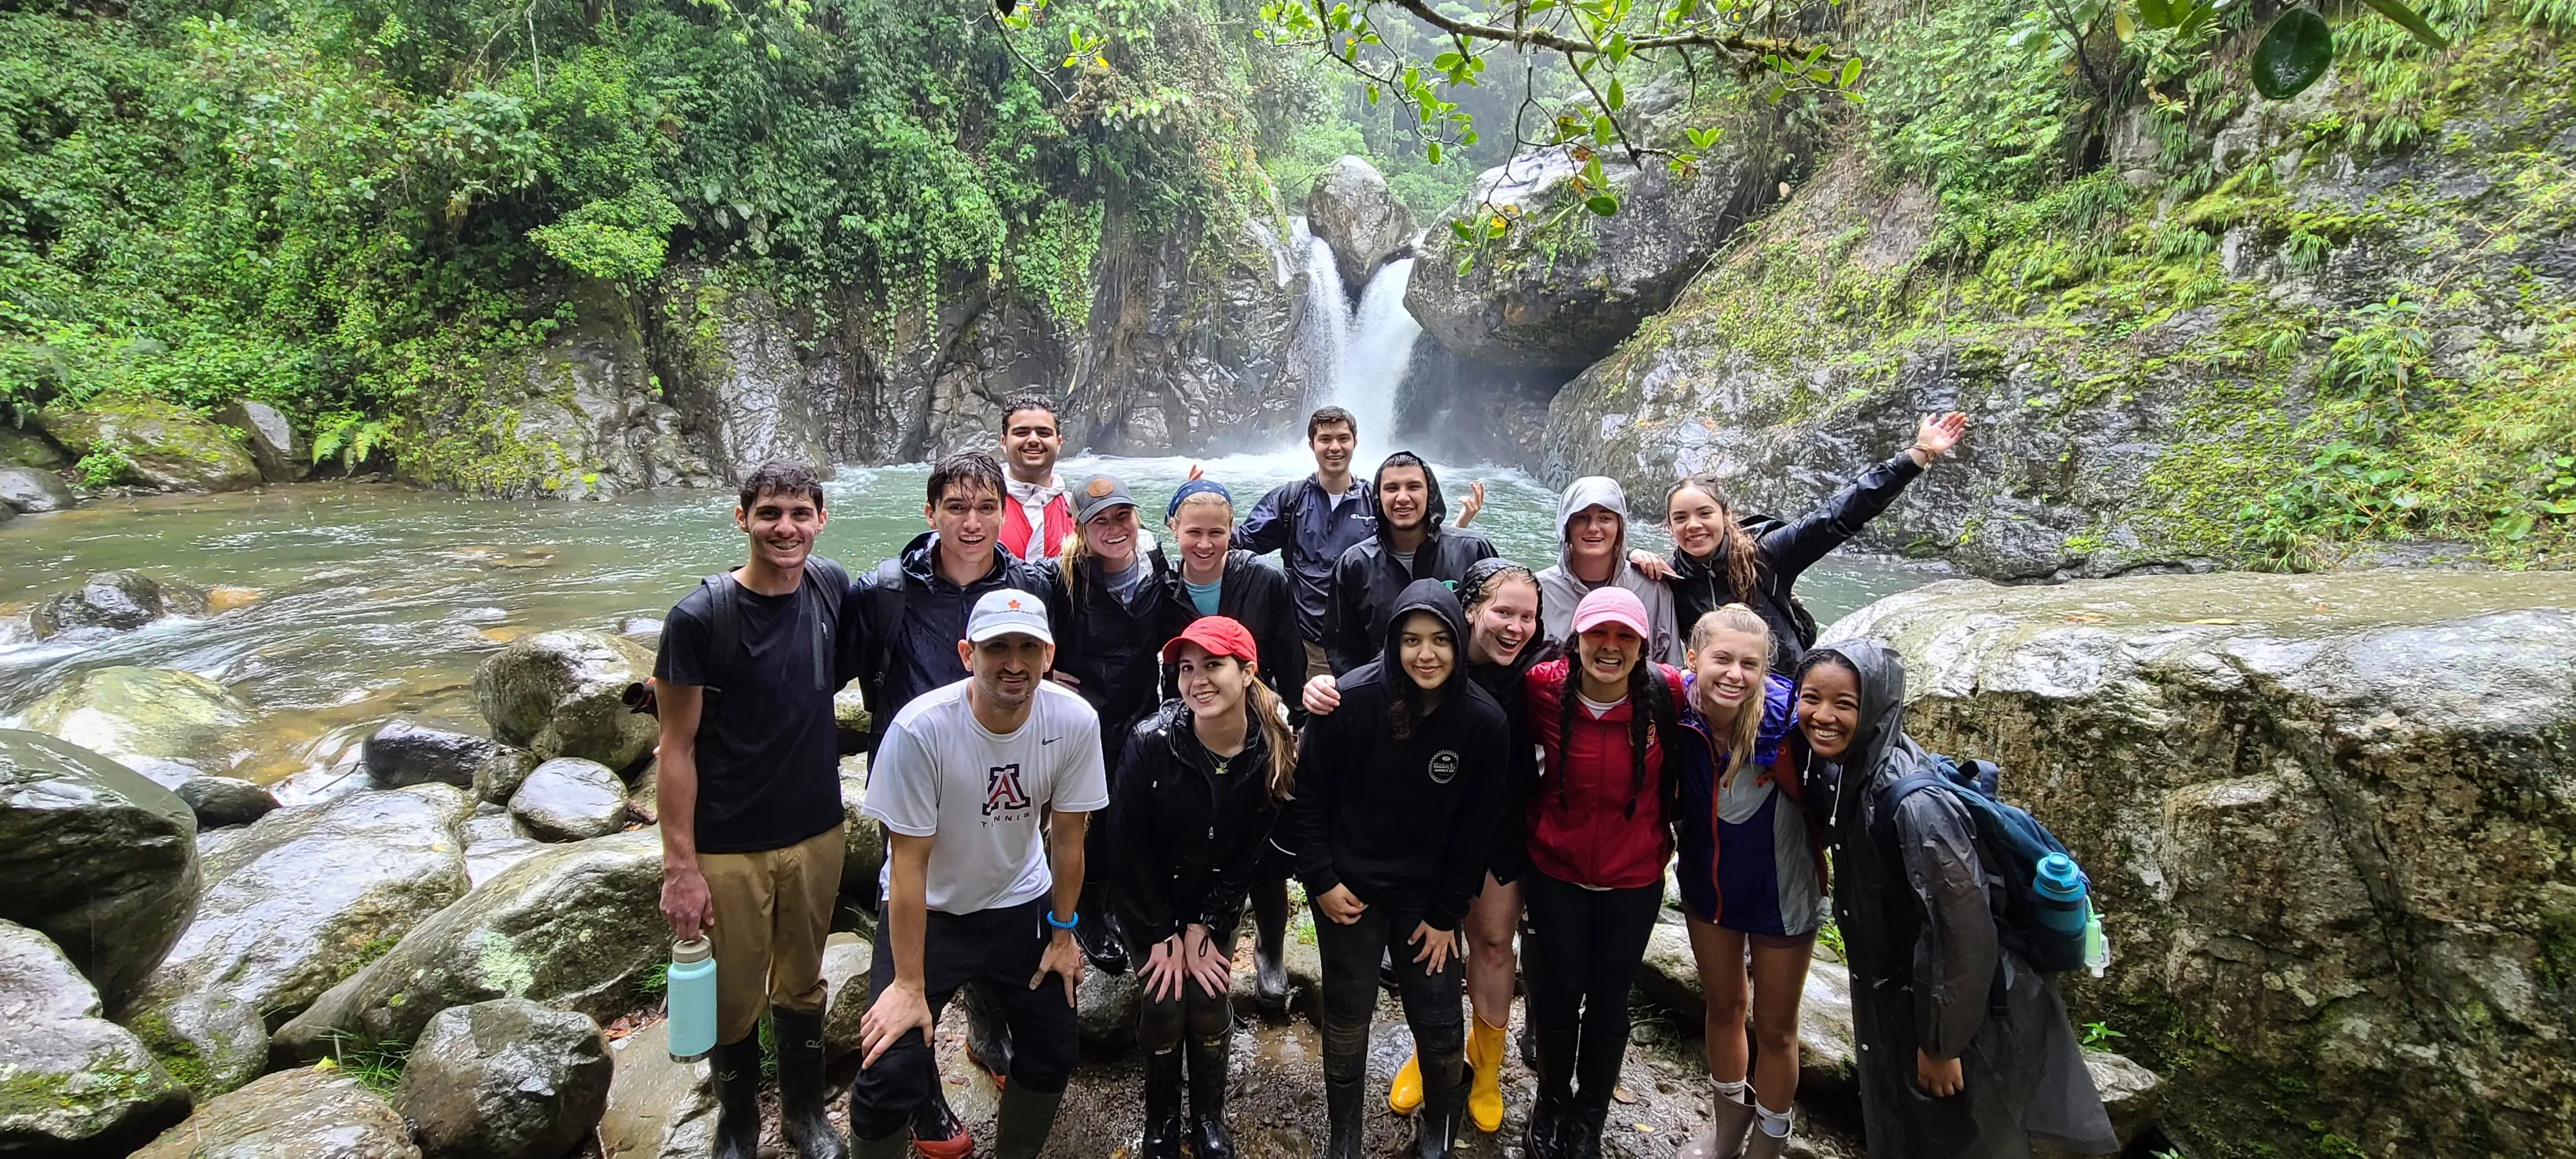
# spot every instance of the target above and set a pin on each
(1008, 611)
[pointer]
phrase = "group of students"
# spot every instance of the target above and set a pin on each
(1476, 771)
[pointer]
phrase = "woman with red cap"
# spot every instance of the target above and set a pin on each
(1599, 833)
(1198, 787)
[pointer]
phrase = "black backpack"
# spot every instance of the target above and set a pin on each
(818, 608)
(2010, 841)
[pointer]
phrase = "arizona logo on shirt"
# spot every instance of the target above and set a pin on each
(1002, 789)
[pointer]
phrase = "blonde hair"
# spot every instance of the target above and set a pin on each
(1074, 549)
(1747, 733)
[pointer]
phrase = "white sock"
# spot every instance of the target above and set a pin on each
(1774, 1123)
(1737, 1091)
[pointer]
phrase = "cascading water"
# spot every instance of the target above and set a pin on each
(1355, 354)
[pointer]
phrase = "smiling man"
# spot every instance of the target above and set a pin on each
(1409, 545)
(750, 800)
(1592, 527)
(1039, 515)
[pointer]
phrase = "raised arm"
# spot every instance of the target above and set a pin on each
(1795, 546)
(1268, 527)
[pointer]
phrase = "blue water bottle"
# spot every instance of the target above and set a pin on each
(2060, 889)
(692, 996)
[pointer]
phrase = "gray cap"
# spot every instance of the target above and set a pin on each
(1006, 612)
(1097, 494)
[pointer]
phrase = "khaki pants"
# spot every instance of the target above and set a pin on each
(772, 911)
(1316, 664)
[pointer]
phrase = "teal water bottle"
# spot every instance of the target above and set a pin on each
(2060, 889)
(692, 997)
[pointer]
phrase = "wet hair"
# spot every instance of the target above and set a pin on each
(1330, 416)
(784, 476)
(1650, 706)
(1746, 736)
(1029, 400)
(1733, 542)
(967, 469)
(1486, 577)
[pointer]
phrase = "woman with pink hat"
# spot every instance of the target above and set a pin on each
(1599, 833)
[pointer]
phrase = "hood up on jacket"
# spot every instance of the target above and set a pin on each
(1593, 491)
(1431, 596)
(1434, 510)
(1880, 751)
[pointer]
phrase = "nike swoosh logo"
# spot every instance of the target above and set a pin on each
(1046, 740)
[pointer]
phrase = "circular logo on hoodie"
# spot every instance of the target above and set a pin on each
(1444, 767)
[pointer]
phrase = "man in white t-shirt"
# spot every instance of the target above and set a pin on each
(983, 787)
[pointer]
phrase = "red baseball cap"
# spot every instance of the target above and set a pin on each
(1220, 635)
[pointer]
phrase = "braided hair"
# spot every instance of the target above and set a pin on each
(1650, 706)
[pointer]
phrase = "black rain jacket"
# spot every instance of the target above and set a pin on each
(912, 619)
(1783, 552)
(1255, 595)
(1184, 840)
(1111, 646)
(1405, 823)
(1300, 522)
(1369, 578)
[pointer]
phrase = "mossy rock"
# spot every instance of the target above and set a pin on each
(153, 443)
(96, 857)
(71, 1082)
(27, 448)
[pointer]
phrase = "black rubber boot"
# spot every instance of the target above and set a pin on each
(1545, 1138)
(1162, 1106)
(737, 1073)
(1097, 932)
(988, 1036)
(1021, 1125)
(1270, 948)
(1208, 1061)
(1437, 1125)
(800, 1085)
(1342, 1106)
(1583, 1129)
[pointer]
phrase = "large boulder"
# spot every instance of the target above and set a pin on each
(846, 994)
(744, 381)
(864, 854)
(306, 1113)
(576, 927)
(1105, 1009)
(96, 857)
(570, 799)
(21, 447)
(1351, 210)
(166, 724)
(2315, 811)
(657, 1108)
(409, 752)
(152, 443)
(562, 694)
(71, 1082)
(1564, 285)
(115, 601)
(1828, 1050)
(505, 1079)
(33, 490)
(299, 901)
(282, 456)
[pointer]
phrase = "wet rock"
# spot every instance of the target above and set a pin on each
(864, 856)
(491, 822)
(591, 417)
(410, 752)
(1305, 973)
(561, 694)
(28, 447)
(1564, 294)
(1105, 1010)
(2306, 804)
(2134, 1095)
(1352, 211)
(223, 801)
(116, 601)
(163, 723)
(271, 440)
(155, 443)
(97, 858)
(850, 718)
(485, 860)
(657, 1108)
(745, 382)
(570, 799)
(299, 901)
(575, 927)
(303, 1112)
(846, 959)
(1828, 1052)
(33, 490)
(505, 1079)
(75, 1083)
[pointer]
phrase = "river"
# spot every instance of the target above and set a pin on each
(377, 599)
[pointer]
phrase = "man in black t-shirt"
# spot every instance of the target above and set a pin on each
(751, 800)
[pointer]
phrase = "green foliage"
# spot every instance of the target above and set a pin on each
(2100, 1036)
(378, 1066)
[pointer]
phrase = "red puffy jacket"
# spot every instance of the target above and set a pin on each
(1581, 828)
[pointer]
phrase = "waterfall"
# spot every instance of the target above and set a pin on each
(1355, 355)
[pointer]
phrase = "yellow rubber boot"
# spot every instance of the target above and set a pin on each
(1485, 1084)
(1405, 1093)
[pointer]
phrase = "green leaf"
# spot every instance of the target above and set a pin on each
(1615, 96)
(1603, 130)
(1446, 61)
(1372, 94)
(2408, 20)
(1616, 48)
(1459, 227)
(2159, 13)
(2296, 50)
(1435, 152)
(1851, 72)
(2123, 27)
(1603, 204)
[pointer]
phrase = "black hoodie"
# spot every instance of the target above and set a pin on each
(1183, 839)
(913, 618)
(1368, 579)
(1783, 551)
(1404, 823)
(1927, 971)
(1109, 645)
(1255, 595)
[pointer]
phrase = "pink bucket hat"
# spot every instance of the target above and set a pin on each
(1612, 606)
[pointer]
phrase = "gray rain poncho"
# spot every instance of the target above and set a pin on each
(1927, 972)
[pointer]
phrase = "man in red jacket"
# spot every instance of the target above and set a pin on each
(1038, 516)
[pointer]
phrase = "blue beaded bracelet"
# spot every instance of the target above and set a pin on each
(1050, 920)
